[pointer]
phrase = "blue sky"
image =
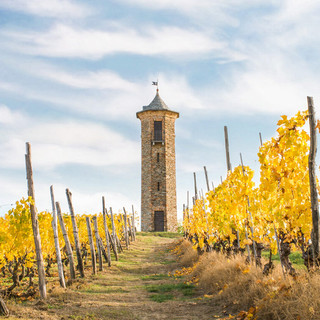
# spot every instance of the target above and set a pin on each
(73, 74)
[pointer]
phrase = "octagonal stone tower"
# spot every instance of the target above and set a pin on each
(158, 167)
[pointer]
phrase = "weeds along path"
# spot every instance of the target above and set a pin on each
(135, 287)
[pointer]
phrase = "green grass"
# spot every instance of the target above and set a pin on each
(295, 258)
(162, 297)
(185, 289)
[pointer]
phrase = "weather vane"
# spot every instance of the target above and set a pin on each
(156, 83)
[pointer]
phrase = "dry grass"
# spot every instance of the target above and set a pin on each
(232, 281)
(237, 286)
(188, 256)
(299, 299)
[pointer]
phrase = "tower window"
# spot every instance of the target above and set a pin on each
(158, 130)
(158, 186)
(158, 157)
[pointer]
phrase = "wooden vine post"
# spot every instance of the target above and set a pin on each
(195, 186)
(75, 233)
(312, 179)
(96, 232)
(112, 242)
(106, 231)
(92, 249)
(206, 175)
(67, 242)
(226, 139)
(126, 235)
(35, 225)
(229, 168)
(114, 234)
(118, 240)
(56, 240)
(133, 224)
(130, 229)
(250, 215)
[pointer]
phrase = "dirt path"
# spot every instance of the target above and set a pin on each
(135, 287)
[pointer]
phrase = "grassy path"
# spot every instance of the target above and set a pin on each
(135, 287)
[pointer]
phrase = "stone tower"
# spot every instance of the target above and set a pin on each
(158, 167)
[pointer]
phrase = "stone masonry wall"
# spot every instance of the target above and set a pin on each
(154, 172)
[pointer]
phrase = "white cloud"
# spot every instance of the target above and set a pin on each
(47, 8)
(100, 80)
(205, 13)
(10, 87)
(65, 142)
(66, 41)
(7, 116)
(179, 94)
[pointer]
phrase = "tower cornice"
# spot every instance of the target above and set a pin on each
(151, 112)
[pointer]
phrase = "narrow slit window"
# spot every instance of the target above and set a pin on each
(158, 130)
(158, 186)
(158, 157)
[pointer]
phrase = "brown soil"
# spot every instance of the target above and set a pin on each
(120, 292)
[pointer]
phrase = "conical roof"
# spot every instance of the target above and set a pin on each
(156, 104)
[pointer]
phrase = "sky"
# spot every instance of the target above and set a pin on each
(73, 74)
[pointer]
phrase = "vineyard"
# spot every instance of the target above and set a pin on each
(17, 244)
(226, 232)
(32, 244)
(237, 216)
(280, 216)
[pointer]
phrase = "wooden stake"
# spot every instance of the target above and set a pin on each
(96, 232)
(133, 225)
(195, 186)
(229, 168)
(251, 220)
(227, 148)
(92, 249)
(312, 179)
(206, 175)
(126, 237)
(188, 199)
(114, 235)
(56, 240)
(248, 248)
(106, 231)
(35, 226)
(66, 241)
(117, 238)
(130, 229)
(103, 250)
(75, 233)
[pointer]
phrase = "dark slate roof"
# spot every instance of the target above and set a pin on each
(156, 104)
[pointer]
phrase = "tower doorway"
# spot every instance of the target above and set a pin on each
(159, 221)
